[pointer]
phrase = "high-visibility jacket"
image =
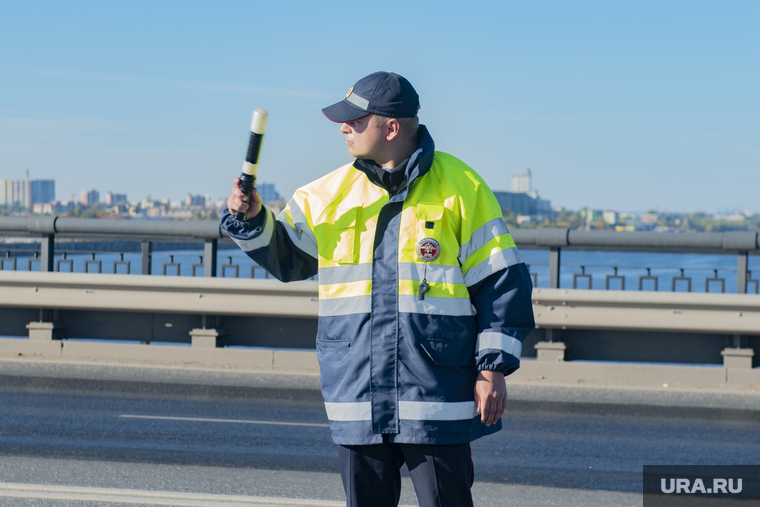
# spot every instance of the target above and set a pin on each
(393, 361)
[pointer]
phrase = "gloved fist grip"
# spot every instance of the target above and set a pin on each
(247, 182)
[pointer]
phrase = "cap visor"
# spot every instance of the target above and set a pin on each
(343, 112)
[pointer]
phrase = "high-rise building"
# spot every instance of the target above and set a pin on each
(195, 200)
(521, 184)
(519, 203)
(89, 197)
(43, 191)
(525, 204)
(610, 216)
(268, 192)
(112, 198)
(16, 193)
(523, 200)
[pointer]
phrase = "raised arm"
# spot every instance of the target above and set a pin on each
(285, 245)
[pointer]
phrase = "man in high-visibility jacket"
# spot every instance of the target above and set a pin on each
(424, 300)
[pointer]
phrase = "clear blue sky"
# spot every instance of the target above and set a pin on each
(617, 105)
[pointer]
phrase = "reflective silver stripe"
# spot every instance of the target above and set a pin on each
(411, 303)
(435, 273)
(345, 274)
(436, 411)
(301, 236)
(481, 236)
(344, 306)
(498, 341)
(498, 261)
(260, 241)
(358, 101)
(357, 411)
(409, 410)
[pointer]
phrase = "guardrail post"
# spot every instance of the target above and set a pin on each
(554, 254)
(46, 329)
(738, 358)
(147, 252)
(742, 262)
(550, 351)
(209, 334)
(209, 257)
(47, 252)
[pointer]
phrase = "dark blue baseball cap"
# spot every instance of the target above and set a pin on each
(381, 93)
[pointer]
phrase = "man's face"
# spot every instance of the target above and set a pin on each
(363, 137)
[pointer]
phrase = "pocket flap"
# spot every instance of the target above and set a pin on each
(450, 352)
(429, 211)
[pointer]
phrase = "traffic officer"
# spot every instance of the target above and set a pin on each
(424, 300)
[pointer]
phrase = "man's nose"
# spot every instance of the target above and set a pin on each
(345, 128)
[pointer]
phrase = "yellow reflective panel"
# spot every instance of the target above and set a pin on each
(452, 290)
(343, 290)
(345, 231)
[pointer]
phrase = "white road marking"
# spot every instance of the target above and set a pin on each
(238, 421)
(134, 496)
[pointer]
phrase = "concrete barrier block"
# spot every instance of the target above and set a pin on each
(737, 358)
(262, 359)
(296, 360)
(126, 351)
(550, 351)
(169, 354)
(616, 372)
(744, 376)
(26, 347)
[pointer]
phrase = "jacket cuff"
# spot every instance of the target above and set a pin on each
(497, 351)
(501, 362)
(243, 230)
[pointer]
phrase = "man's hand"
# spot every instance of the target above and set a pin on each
(238, 201)
(490, 396)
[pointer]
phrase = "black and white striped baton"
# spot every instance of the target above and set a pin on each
(248, 177)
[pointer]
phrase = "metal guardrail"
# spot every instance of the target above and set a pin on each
(44, 225)
(555, 240)
(635, 311)
(554, 308)
(171, 294)
(207, 312)
(144, 231)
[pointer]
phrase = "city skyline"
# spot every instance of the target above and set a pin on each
(520, 184)
(614, 106)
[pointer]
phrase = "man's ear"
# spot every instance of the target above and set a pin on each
(392, 129)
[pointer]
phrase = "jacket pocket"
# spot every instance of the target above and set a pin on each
(333, 344)
(346, 238)
(450, 352)
(429, 220)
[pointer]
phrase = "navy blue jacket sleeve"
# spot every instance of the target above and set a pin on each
(275, 244)
(505, 317)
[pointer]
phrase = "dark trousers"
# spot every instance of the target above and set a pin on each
(442, 474)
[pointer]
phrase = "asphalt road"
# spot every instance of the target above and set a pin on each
(131, 441)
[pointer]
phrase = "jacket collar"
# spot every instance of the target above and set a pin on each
(417, 167)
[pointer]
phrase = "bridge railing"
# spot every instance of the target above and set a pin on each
(559, 240)
(62, 239)
(574, 327)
